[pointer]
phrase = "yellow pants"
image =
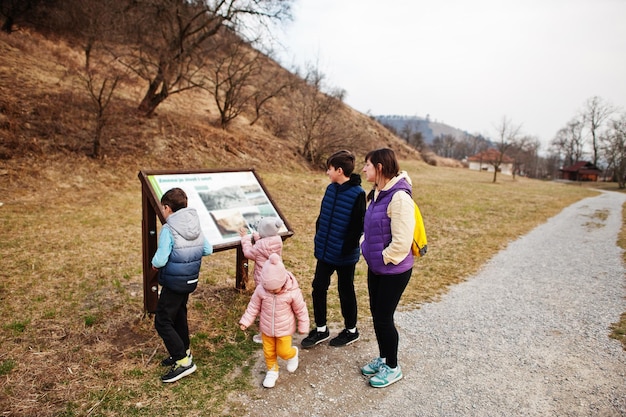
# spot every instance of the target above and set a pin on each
(274, 347)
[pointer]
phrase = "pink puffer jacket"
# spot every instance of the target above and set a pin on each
(260, 251)
(278, 312)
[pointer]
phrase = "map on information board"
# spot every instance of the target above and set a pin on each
(225, 201)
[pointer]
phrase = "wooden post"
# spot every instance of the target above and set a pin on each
(149, 247)
(241, 276)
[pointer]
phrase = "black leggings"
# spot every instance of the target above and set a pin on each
(385, 292)
(345, 288)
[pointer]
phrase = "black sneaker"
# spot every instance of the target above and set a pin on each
(344, 338)
(179, 371)
(169, 361)
(315, 338)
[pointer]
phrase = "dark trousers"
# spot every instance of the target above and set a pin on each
(385, 292)
(170, 322)
(345, 288)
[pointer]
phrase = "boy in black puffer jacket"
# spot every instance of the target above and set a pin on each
(337, 232)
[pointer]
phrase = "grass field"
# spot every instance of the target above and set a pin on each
(75, 340)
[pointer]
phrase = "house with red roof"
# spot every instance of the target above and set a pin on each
(487, 161)
(581, 171)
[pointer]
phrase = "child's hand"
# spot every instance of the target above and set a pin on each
(242, 327)
(243, 231)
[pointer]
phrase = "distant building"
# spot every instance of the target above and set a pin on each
(484, 161)
(581, 171)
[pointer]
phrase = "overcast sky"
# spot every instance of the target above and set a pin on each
(466, 63)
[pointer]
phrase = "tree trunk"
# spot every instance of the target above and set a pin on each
(98, 136)
(152, 99)
(7, 26)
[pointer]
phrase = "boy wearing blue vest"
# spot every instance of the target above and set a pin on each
(337, 232)
(178, 259)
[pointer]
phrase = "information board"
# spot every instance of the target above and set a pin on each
(225, 201)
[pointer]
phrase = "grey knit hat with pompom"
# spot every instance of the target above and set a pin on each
(269, 226)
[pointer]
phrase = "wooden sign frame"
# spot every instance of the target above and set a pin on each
(225, 201)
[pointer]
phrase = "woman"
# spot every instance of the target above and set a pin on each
(386, 247)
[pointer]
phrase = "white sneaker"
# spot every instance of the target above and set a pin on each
(257, 338)
(270, 379)
(292, 364)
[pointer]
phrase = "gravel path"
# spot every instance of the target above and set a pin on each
(526, 336)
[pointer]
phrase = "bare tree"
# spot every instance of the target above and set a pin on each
(553, 163)
(613, 145)
(101, 92)
(524, 152)
(232, 75)
(595, 114)
(92, 22)
(267, 89)
(443, 145)
(406, 131)
(242, 79)
(569, 142)
(469, 145)
(169, 39)
(507, 134)
(417, 141)
(316, 125)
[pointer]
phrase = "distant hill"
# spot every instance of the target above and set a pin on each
(429, 129)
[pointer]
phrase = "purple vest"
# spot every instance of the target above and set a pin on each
(377, 233)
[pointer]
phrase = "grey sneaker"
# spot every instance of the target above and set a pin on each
(386, 376)
(315, 338)
(344, 338)
(373, 367)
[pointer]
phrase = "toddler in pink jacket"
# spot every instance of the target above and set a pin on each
(278, 302)
(259, 245)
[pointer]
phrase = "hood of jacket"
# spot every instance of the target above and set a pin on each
(186, 223)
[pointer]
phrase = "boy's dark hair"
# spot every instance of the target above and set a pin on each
(342, 159)
(176, 198)
(387, 158)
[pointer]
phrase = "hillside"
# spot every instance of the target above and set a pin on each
(47, 117)
(429, 129)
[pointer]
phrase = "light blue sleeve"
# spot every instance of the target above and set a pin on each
(207, 249)
(166, 244)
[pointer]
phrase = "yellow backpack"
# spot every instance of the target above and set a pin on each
(419, 247)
